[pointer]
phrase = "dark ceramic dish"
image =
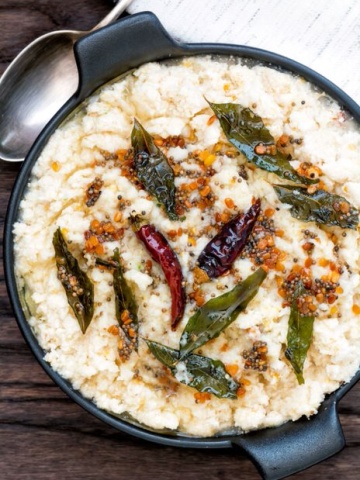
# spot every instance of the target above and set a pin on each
(102, 56)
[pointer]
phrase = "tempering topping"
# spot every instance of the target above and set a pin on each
(256, 358)
(93, 192)
(153, 169)
(221, 252)
(78, 287)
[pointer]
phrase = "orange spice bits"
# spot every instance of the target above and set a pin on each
(100, 232)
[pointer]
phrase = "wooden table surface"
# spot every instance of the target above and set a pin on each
(43, 434)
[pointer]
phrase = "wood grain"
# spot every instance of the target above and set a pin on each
(43, 434)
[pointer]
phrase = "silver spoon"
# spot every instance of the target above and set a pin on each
(36, 84)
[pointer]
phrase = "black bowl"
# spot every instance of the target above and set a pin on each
(102, 56)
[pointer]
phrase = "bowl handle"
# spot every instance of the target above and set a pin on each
(113, 50)
(294, 446)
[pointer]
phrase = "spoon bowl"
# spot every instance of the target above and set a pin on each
(37, 84)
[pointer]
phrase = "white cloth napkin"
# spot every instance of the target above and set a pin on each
(322, 34)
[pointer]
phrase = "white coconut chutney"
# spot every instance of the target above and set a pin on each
(170, 101)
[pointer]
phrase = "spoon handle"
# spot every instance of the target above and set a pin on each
(113, 14)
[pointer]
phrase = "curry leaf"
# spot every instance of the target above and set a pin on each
(202, 373)
(218, 313)
(126, 307)
(153, 169)
(320, 207)
(246, 131)
(125, 302)
(78, 287)
(299, 335)
(166, 355)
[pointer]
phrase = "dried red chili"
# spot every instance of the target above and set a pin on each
(161, 252)
(221, 252)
